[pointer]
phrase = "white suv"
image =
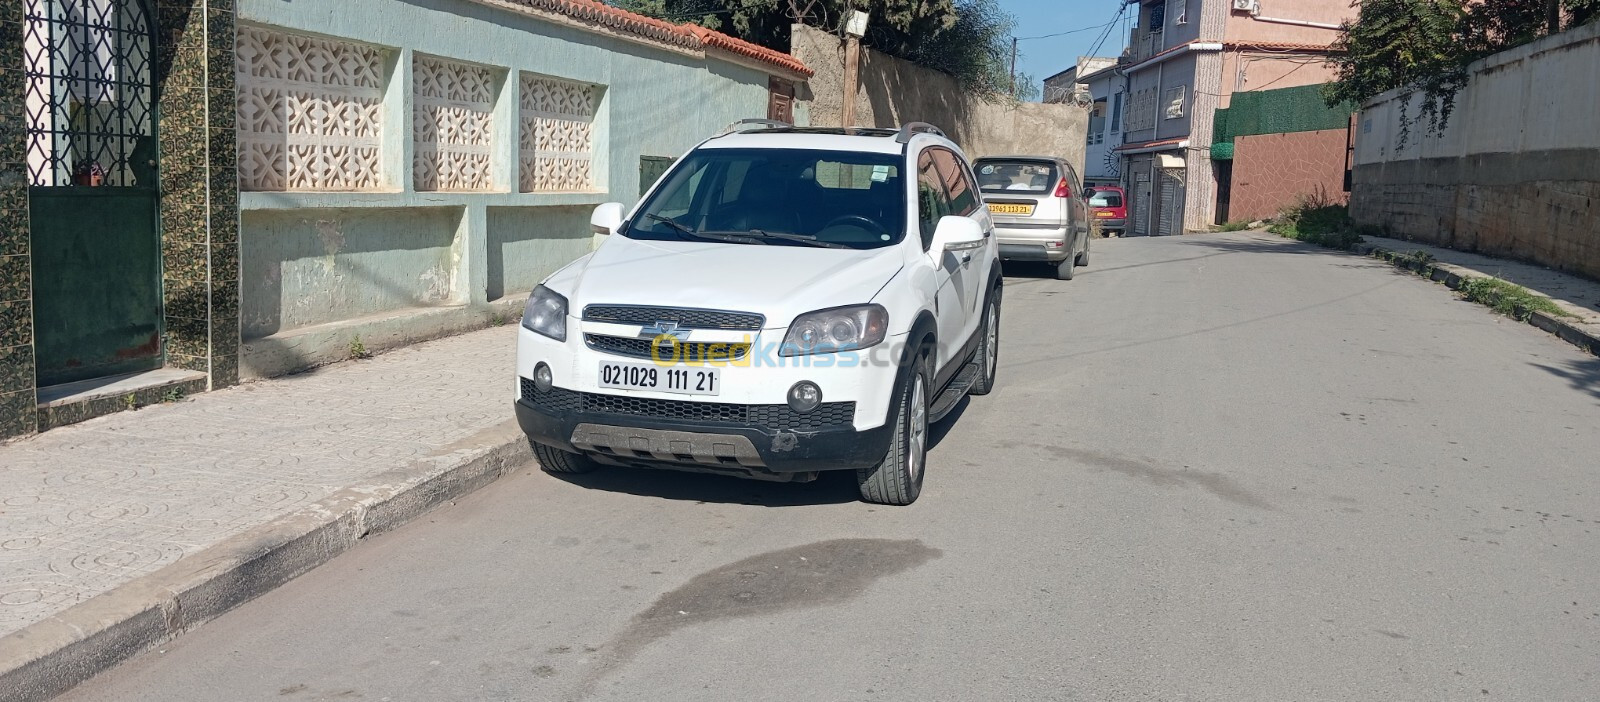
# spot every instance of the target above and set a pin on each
(783, 301)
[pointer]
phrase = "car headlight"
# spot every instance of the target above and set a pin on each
(546, 313)
(837, 329)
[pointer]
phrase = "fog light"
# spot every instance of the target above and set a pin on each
(805, 397)
(541, 378)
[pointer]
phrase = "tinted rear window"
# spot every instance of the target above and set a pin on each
(1105, 199)
(1027, 177)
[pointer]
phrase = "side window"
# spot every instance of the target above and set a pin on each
(933, 203)
(963, 196)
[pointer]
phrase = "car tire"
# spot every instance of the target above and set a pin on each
(554, 460)
(1083, 258)
(1066, 268)
(897, 479)
(988, 357)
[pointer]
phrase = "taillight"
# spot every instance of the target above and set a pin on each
(1063, 190)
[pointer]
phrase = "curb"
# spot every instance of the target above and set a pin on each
(1452, 277)
(51, 656)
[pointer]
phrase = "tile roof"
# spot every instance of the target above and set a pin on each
(686, 36)
(744, 48)
(1278, 46)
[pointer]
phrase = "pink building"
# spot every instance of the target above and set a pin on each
(1185, 60)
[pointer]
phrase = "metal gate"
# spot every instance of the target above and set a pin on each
(1141, 203)
(92, 173)
(1171, 202)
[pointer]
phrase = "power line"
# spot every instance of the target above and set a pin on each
(1104, 35)
(1072, 31)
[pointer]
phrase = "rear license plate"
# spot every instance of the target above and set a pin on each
(1103, 214)
(646, 376)
(1026, 210)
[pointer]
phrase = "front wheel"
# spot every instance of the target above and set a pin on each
(897, 480)
(988, 346)
(554, 460)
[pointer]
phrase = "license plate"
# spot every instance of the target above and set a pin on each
(1011, 209)
(1103, 214)
(648, 376)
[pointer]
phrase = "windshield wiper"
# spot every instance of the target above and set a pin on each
(802, 238)
(686, 232)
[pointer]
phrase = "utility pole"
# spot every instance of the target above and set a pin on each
(1013, 66)
(1552, 9)
(854, 30)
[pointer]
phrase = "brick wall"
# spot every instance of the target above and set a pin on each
(1271, 171)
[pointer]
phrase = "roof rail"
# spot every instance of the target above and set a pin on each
(743, 123)
(912, 129)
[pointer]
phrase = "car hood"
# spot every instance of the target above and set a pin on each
(778, 281)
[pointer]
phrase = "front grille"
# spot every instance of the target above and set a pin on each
(774, 417)
(686, 318)
(685, 351)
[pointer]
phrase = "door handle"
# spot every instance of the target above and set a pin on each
(966, 259)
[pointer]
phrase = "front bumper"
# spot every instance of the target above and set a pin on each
(708, 445)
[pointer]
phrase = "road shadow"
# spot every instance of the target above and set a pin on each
(1583, 375)
(830, 488)
(1261, 243)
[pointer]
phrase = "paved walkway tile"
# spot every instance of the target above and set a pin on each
(88, 507)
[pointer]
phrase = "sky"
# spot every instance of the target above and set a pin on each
(1046, 57)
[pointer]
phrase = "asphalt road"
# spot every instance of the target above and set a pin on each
(1216, 468)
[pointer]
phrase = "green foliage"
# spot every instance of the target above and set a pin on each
(967, 39)
(1237, 225)
(359, 349)
(1425, 46)
(1509, 299)
(1314, 220)
(172, 395)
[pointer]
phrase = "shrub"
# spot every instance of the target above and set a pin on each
(1316, 220)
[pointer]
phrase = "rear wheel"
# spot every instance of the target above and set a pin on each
(1083, 258)
(897, 480)
(554, 460)
(1066, 268)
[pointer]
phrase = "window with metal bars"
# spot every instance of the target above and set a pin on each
(89, 96)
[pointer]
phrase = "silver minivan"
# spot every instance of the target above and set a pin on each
(1039, 210)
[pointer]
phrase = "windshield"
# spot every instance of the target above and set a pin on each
(1103, 198)
(1032, 177)
(778, 197)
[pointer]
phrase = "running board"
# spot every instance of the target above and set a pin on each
(957, 389)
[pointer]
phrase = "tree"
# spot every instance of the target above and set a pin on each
(1425, 46)
(967, 39)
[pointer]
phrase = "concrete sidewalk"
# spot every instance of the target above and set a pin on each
(107, 526)
(1578, 297)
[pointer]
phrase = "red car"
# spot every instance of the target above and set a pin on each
(1110, 206)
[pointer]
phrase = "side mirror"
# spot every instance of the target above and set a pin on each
(956, 233)
(606, 219)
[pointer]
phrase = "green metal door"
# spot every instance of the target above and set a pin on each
(92, 205)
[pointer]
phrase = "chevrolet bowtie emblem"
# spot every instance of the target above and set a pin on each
(664, 328)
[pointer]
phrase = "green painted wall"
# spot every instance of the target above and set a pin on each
(395, 249)
(306, 267)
